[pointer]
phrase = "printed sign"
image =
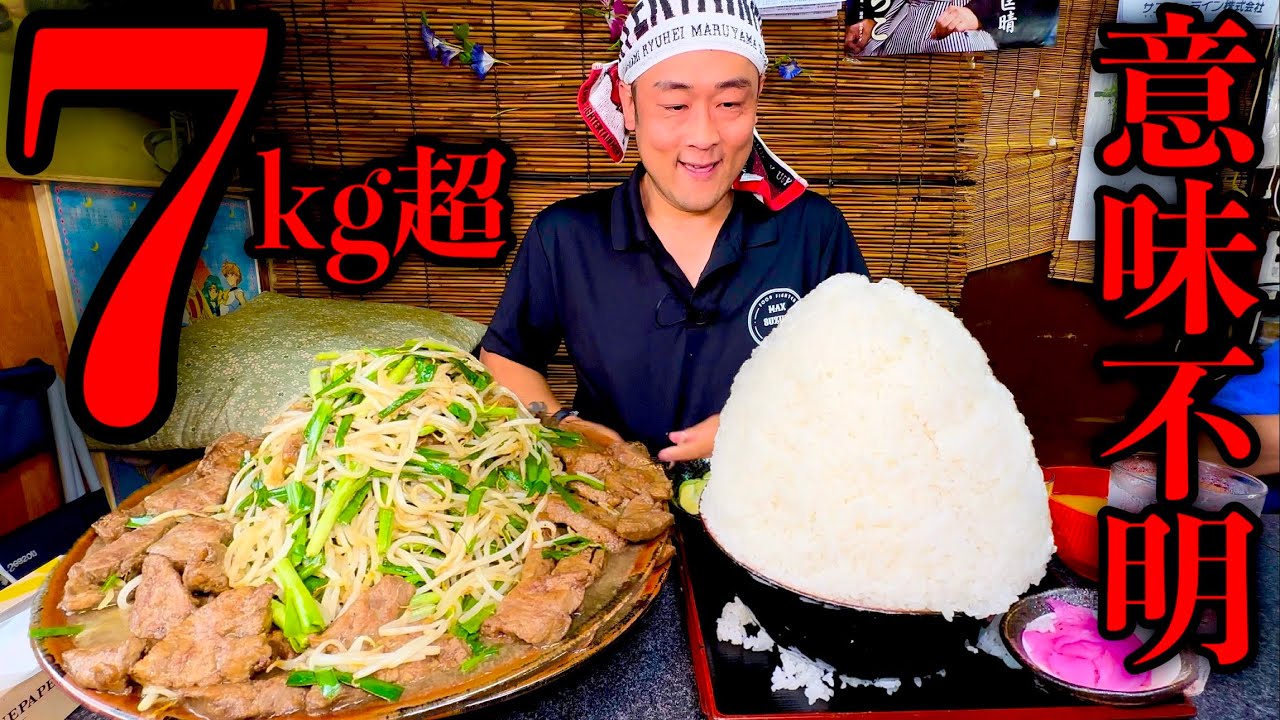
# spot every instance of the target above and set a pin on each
(877, 28)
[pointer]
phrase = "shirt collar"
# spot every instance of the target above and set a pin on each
(630, 228)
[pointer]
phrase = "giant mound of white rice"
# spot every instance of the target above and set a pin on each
(867, 455)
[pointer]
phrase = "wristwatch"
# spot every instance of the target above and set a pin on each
(563, 413)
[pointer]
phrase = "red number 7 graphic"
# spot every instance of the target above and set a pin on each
(122, 371)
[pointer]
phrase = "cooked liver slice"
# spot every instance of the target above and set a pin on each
(222, 642)
(557, 511)
(242, 700)
(643, 518)
(103, 667)
(535, 565)
(585, 458)
(207, 485)
(376, 607)
(589, 562)
(539, 611)
(197, 547)
(644, 474)
(123, 557)
(160, 601)
(111, 526)
(209, 575)
(191, 539)
(625, 468)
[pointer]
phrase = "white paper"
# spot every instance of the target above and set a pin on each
(19, 663)
(798, 9)
(1262, 13)
(1271, 126)
(1099, 120)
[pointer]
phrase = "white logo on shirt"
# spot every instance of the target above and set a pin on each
(767, 311)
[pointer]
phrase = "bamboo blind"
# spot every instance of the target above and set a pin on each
(1033, 127)
(892, 141)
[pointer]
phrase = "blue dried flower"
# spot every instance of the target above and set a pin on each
(789, 69)
(481, 61)
(429, 39)
(448, 53)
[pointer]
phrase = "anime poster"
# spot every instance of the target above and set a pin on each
(876, 28)
(92, 220)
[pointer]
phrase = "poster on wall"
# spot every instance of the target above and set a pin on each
(1262, 13)
(90, 221)
(1099, 120)
(877, 28)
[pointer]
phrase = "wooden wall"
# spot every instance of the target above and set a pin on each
(29, 328)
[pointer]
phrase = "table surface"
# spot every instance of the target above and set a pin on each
(647, 675)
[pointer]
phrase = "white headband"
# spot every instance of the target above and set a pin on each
(658, 29)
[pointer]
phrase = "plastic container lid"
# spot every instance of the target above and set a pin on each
(1219, 484)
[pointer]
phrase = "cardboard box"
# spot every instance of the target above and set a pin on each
(39, 698)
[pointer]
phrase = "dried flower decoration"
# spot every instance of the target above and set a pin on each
(788, 67)
(613, 12)
(465, 52)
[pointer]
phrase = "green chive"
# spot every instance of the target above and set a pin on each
(405, 572)
(110, 582)
(380, 688)
(354, 507)
(401, 370)
(584, 479)
(459, 412)
(316, 380)
(426, 371)
(56, 631)
(474, 499)
(316, 426)
(386, 518)
(474, 661)
(137, 522)
(327, 356)
(399, 402)
(453, 474)
(568, 497)
(337, 382)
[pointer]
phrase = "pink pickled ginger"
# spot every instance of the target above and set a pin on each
(1073, 651)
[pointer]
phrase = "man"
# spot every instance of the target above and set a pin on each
(661, 287)
(1255, 398)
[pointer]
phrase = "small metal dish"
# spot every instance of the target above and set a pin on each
(1031, 607)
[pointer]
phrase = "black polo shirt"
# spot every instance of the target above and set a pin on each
(653, 354)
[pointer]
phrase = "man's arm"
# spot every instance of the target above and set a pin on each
(526, 331)
(1268, 462)
(529, 385)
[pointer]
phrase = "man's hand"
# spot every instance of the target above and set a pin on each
(857, 35)
(693, 443)
(595, 432)
(954, 19)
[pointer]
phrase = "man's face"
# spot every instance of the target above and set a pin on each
(693, 116)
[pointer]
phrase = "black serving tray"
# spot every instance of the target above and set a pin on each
(735, 683)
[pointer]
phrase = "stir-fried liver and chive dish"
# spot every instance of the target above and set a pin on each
(408, 518)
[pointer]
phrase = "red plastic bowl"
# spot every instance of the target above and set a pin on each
(1075, 532)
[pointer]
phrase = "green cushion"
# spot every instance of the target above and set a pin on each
(237, 372)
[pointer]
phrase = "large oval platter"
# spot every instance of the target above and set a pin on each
(625, 590)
